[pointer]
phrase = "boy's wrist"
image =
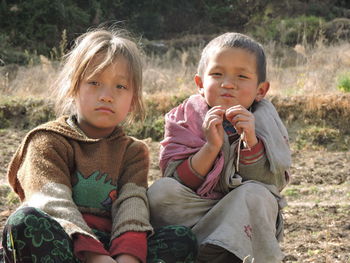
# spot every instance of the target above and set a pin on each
(211, 148)
(252, 142)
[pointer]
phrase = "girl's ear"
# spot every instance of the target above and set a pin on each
(199, 84)
(263, 88)
(132, 106)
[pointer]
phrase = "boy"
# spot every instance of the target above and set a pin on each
(225, 157)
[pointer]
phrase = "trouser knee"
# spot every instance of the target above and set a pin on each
(172, 244)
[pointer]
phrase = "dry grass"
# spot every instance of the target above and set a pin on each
(291, 71)
(33, 80)
(172, 72)
(305, 70)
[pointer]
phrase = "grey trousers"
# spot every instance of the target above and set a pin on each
(245, 222)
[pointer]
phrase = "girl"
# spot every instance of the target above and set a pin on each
(81, 180)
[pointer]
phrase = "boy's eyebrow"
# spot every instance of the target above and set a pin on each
(245, 69)
(216, 67)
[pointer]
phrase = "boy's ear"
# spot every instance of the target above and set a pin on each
(263, 88)
(199, 84)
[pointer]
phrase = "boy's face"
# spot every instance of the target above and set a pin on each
(230, 79)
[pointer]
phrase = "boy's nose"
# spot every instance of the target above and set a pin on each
(229, 83)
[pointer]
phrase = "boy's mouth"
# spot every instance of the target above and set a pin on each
(227, 95)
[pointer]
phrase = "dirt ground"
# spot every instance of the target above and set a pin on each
(317, 218)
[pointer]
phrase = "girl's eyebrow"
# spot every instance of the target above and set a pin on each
(122, 76)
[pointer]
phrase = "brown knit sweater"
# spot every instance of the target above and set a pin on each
(64, 173)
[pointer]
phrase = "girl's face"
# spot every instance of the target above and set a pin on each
(231, 79)
(104, 99)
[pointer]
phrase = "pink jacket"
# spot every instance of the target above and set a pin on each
(184, 137)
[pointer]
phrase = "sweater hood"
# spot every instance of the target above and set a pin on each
(67, 127)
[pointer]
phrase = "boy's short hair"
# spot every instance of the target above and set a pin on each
(235, 40)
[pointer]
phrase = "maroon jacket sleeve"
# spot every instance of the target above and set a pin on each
(84, 243)
(132, 243)
(188, 176)
(253, 155)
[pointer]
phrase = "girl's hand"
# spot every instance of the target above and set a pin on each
(125, 258)
(212, 127)
(243, 121)
(92, 257)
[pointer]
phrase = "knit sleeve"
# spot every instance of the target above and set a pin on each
(44, 177)
(130, 211)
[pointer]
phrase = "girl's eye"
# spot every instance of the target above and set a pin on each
(216, 74)
(120, 87)
(242, 77)
(94, 83)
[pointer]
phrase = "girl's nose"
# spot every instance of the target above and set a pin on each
(106, 95)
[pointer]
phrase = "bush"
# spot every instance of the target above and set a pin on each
(290, 31)
(315, 137)
(29, 113)
(344, 82)
(156, 106)
(338, 29)
(25, 113)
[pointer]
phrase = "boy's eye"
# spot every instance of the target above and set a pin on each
(243, 76)
(216, 74)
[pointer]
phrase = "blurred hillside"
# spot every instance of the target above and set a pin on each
(46, 27)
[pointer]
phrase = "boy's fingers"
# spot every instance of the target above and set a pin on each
(214, 121)
(217, 111)
(233, 117)
(230, 115)
(243, 126)
(241, 118)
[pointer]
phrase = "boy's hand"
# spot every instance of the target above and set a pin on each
(243, 121)
(212, 126)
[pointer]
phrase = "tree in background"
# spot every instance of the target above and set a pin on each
(36, 26)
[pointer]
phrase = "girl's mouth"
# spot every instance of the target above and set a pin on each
(104, 109)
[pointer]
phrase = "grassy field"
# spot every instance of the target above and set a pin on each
(304, 89)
